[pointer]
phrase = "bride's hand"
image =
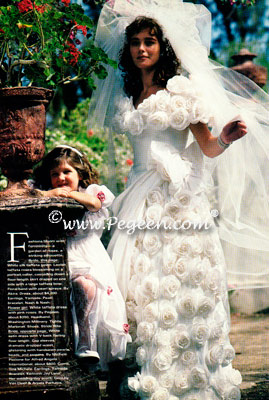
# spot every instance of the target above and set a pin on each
(232, 131)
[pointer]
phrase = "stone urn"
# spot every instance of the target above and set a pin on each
(22, 134)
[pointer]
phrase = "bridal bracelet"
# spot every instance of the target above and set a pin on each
(221, 143)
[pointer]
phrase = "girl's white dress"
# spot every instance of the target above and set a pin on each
(87, 256)
(171, 270)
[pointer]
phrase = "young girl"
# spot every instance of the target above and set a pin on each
(100, 325)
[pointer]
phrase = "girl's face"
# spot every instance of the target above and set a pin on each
(145, 49)
(64, 176)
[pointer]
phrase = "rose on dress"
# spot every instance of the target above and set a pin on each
(189, 358)
(198, 378)
(214, 356)
(180, 337)
(148, 384)
(154, 213)
(142, 264)
(187, 306)
(158, 121)
(141, 355)
(155, 196)
(145, 331)
(150, 312)
(133, 122)
(179, 119)
(160, 394)
(181, 383)
(162, 338)
(180, 85)
(168, 315)
(163, 360)
(169, 286)
(166, 379)
(150, 287)
(151, 242)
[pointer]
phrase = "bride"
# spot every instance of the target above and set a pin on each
(172, 272)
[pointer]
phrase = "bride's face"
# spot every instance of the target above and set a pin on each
(145, 49)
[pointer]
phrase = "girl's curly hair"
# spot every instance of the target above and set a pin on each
(55, 157)
(166, 67)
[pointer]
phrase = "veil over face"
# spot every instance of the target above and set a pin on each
(240, 174)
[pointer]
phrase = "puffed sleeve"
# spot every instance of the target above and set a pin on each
(105, 196)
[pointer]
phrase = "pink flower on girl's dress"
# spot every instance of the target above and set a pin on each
(126, 328)
(101, 196)
(109, 290)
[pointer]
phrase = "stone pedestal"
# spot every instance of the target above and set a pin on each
(36, 337)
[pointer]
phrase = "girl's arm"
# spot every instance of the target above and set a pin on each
(92, 203)
(209, 143)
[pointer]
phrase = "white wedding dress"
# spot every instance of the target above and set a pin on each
(173, 280)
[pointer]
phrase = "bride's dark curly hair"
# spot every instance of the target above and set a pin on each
(166, 67)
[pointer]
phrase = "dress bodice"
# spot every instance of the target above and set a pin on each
(141, 145)
(159, 127)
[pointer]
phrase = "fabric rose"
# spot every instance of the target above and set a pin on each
(150, 312)
(232, 393)
(181, 384)
(173, 209)
(150, 287)
(169, 286)
(180, 85)
(177, 103)
(160, 394)
(141, 299)
(151, 242)
(145, 331)
(215, 355)
(187, 306)
(204, 306)
(133, 383)
(216, 330)
(131, 310)
(180, 337)
(180, 269)
(188, 358)
(142, 264)
(159, 120)
(197, 112)
(162, 99)
(181, 246)
(155, 196)
(154, 213)
(179, 119)
(133, 283)
(168, 230)
(166, 380)
(163, 360)
(183, 198)
(162, 338)
(133, 122)
(141, 355)
(168, 315)
(234, 376)
(212, 281)
(228, 355)
(148, 106)
(198, 378)
(148, 384)
(169, 260)
(124, 104)
(197, 273)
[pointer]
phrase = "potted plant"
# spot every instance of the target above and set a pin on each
(43, 44)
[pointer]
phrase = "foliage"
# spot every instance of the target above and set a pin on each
(74, 132)
(47, 43)
(237, 2)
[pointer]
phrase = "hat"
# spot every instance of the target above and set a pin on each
(244, 53)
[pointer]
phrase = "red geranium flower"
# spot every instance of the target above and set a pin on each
(66, 2)
(101, 196)
(126, 328)
(74, 52)
(129, 161)
(25, 5)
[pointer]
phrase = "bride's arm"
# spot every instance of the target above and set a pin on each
(209, 143)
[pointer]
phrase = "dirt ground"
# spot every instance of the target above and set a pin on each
(250, 338)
